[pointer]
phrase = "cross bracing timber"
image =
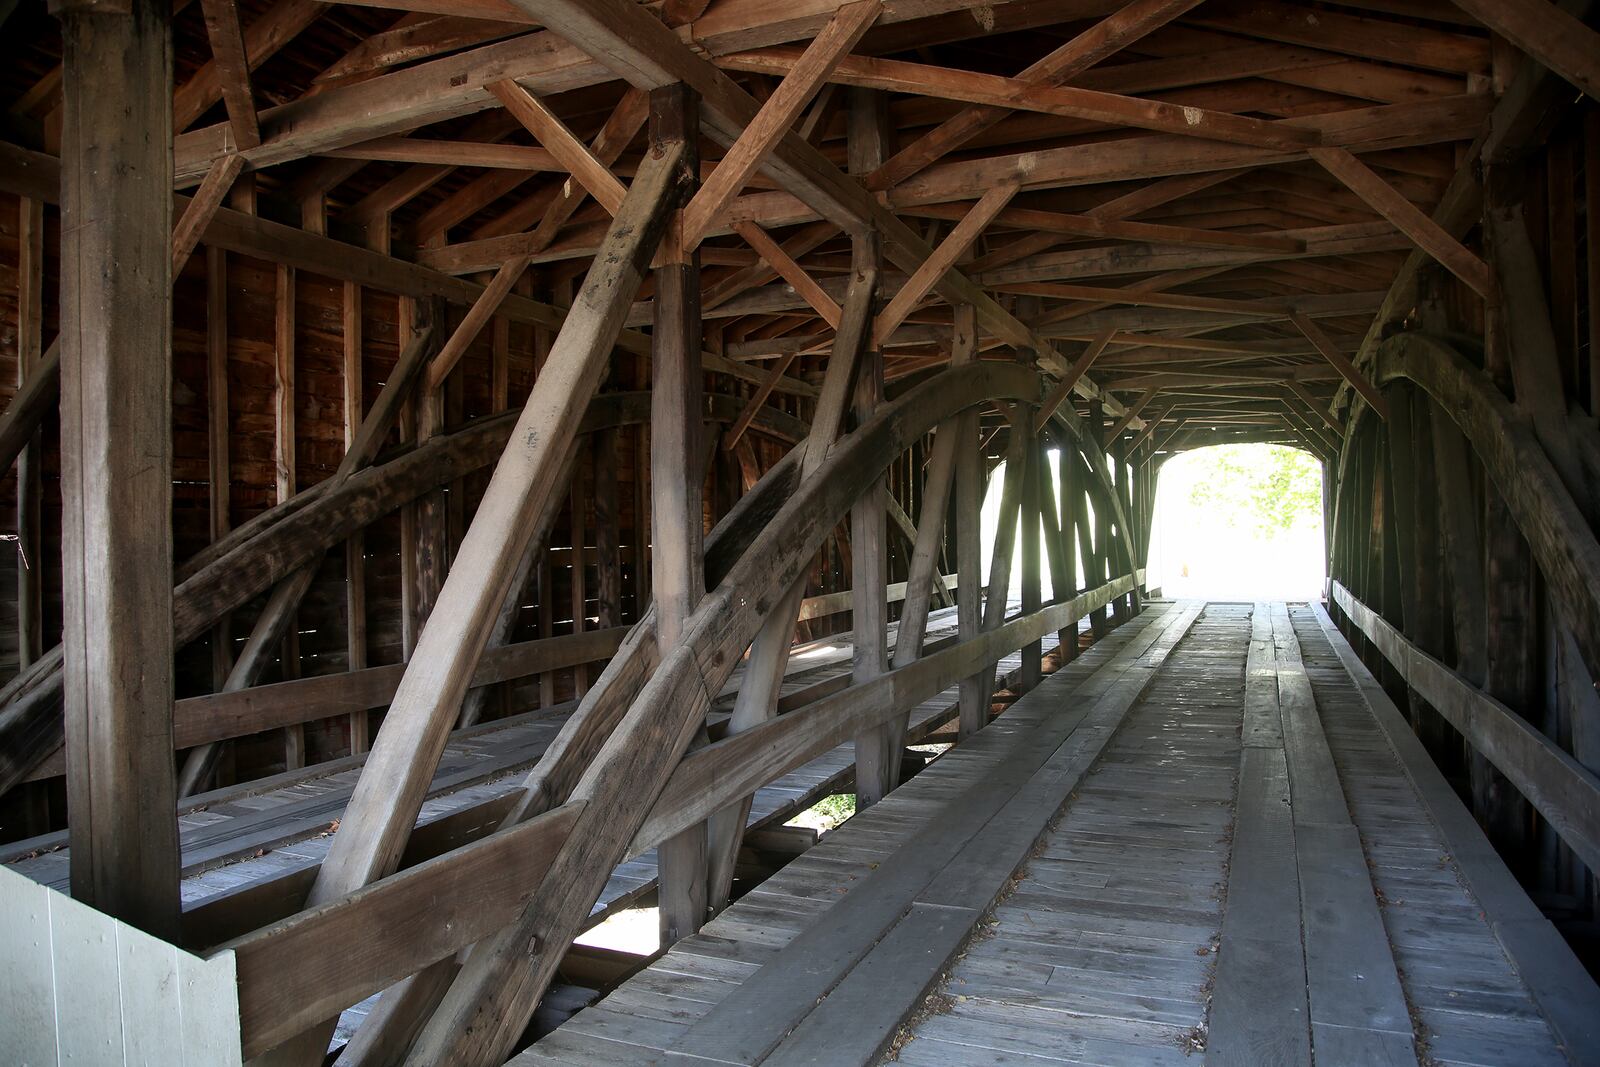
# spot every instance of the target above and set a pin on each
(1180, 224)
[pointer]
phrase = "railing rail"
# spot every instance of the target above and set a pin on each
(1565, 792)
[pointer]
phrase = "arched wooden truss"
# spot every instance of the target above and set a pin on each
(937, 235)
(617, 781)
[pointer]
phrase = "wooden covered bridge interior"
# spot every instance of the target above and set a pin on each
(476, 468)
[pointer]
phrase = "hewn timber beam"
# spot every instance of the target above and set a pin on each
(1125, 160)
(1088, 225)
(1341, 363)
(1516, 122)
(1560, 788)
(257, 554)
(944, 257)
(233, 70)
(198, 212)
(1410, 220)
(36, 397)
(483, 309)
(37, 175)
(406, 753)
(742, 762)
(468, 152)
(239, 713)
(1086, 105)
(116, 459)
(769, 649)
(498, 987)
(677, 571)
(455, 85)
(1064, 387)
(1149, 429)
(1546, 33)
(1060, 66)
(317, 962)
(1133, 410)
(762, 134)
(275, 618)
(561, 143)
(804, 285)
(1318, 408)
(1144, 157)
(647, 54)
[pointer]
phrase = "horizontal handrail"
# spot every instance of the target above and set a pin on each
(712, 777)
(1560, 788)
(314, 963)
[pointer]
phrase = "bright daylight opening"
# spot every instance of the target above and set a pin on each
(1232, 522)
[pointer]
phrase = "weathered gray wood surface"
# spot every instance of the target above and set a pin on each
(1115, 935)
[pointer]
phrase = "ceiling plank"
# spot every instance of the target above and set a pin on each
(1060, 66)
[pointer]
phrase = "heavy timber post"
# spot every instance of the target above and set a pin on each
(877, 753)
(116, 459)
(677, 576)
(1389, 257)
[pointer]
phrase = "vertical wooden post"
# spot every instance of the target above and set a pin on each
(1402, 490)
(1050, 521)
(429, 549)
(578, 587)
(355, 549)
(877, 769)
(677, 489)
(217, 439)
(116, 459)
(769, 652)
(1066, 497)
(969, 545)
(1099, 570)
(607, 534)
(1510, 608)
(30, 349)
(284, 463)
(1128, 604)
(1029, 516)
(547, 598)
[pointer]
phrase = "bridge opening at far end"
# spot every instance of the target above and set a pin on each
(1231, 522)
(1239, 522)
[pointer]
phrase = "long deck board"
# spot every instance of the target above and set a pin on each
(234, 838)
(1143, 906)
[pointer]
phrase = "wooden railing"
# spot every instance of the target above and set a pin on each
(1565, 792)
(314, 963)
(219, 716)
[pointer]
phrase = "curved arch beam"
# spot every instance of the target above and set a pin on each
(1562, 542)
(487, 1005)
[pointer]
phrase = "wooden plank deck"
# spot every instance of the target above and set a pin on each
(1248, 873)
(236, 838)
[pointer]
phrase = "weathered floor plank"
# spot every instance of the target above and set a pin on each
(1259, 819)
